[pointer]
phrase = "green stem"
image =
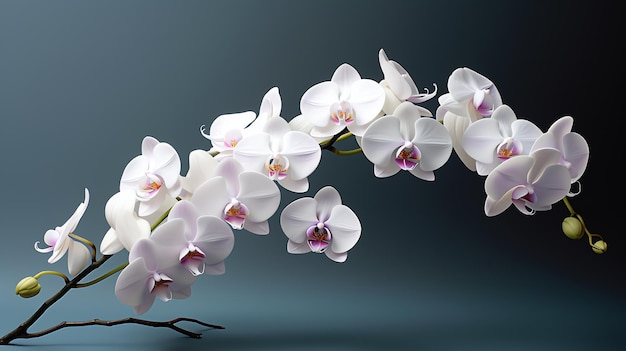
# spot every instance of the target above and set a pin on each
(42, 273)
(344, 152)
(88, 243)
(104, 276)
(575, 214)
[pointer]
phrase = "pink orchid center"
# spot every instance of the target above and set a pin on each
(408, 156)
(150, 187)
(341, 113)
(318, 237)
(235, 214)
(159, 286)
(192, 258)
(509, 148)
(232, 138)
(277, 167)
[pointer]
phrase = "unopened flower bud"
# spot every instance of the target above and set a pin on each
(599, 247)
(572, 228)
(27, 287)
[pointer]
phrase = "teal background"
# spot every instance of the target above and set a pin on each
(82, 82)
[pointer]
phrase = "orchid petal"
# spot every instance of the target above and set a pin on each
(367, 98)
(337, 257)
(381, 140)
(326, 198)
(434, 142)
(316, 101)
(345, 76)
(346, 228)
(297, 217)
(78, 256)
(298, 248)
(303, 153)
(260, 194)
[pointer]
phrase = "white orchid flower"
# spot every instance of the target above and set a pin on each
(285, 155)
(59, 241)
(573, 147)
(471, 97)
(201, 167)
(406, 141)
(153, 175)
(200, 242)
(126, 226)
(244, 199)
(491, 141)
(152, 272)
(530, 182)
(321, 224)
(346, 100)
(400, 87)
(227, 130)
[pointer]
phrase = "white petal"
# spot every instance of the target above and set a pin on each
(110, 245)
(297, 217)
(147, 145)
(316, 101)
(387, 171)
(215, 238)
(434, 142)
(367, 99)
(298, 248)
(166, 163)
(78, 256)
(201, 167)
(345, 228)
(381, 140)
(553, 185)
(576, 151)
(345, 76)
(252, 152)
(327, 198)
(129, 229)
(303, 153)
(260, 194)
(211, 197)
(494, 207)
(295, 185)
(507, 176)
(481, 139)
(259, 228)
(337, 257)
(230, 169)
(188, 212)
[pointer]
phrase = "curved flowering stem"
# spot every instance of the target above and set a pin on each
(104, 276)
(344, 152)
(344, 134)
(88, 243)
(599, 246)
(42, 273)
(164, 324)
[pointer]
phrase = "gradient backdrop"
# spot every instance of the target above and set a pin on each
(82, 82)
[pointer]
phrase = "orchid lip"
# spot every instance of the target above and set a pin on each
(235, 214)
(408, 156)
(509, 148)
(277, 167)
(341, 113)
(318, 237)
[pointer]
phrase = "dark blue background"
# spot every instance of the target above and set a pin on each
(82, 82)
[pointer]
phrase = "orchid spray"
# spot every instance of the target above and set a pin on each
(175, 228)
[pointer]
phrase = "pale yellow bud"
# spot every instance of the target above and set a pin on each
(599, 247)
(572, 228)
(27, 287)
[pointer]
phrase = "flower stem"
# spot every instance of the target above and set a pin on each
(42, 273)
(344, 152)
(22, 330)
(103, 277)
(575, 214)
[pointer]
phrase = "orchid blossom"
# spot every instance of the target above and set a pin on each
(152, 272)
(400, 87)
(201, 168)
(491, 141)
(321, 224)
(59, 241)
(471, 97)
(286, 156)
(153, 175)
(530, 182)
(126, 226)
(346, 101)
(573, 147)
(200, 242)
(244, 199)
(406, 141)
(227, 130)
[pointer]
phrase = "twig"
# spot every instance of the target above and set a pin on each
(164, 324)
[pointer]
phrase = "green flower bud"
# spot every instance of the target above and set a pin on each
(572, 228)
(27, 287)
(599, 247)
